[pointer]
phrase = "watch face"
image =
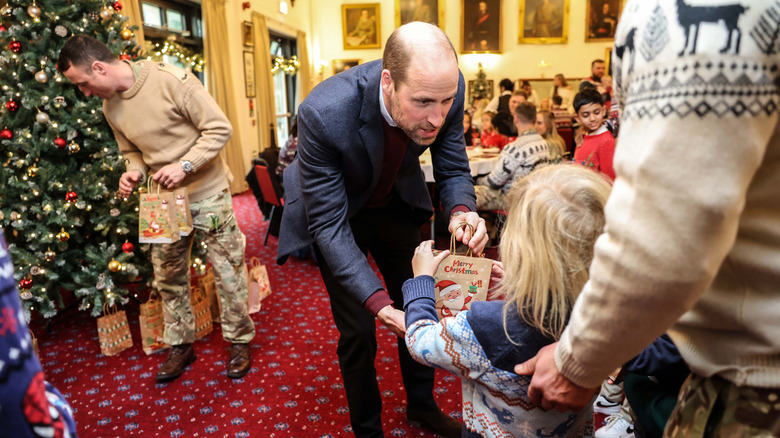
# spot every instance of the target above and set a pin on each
(186, 166)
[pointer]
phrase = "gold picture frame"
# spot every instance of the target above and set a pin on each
(480, 30)
(544, 22)
(601, 19)
(429, 11)
(608, 60)
(360, 25)
(249, 74)
(248, 33)
(340, 65)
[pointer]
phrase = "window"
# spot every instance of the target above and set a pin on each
(176, 21)
(284, 85)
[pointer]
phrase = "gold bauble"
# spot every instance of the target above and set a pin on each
(63, 235)
(41, 77)
(106, 13)
(34, 11)
(126, 34)
(49, 255)
(114, 266)
(73, 147)
(32, 170)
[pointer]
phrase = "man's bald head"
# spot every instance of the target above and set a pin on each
(422, 42)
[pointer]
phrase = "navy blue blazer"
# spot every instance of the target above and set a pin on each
(337, 169)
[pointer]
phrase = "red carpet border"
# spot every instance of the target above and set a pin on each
(293, 390)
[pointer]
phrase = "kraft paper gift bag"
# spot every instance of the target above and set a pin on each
(183, 213)
(152, 325)
(259, 285)
(157, 220)
(201, 310)
(113, 331)
(460, 280)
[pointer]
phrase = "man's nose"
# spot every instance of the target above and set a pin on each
(437, 115)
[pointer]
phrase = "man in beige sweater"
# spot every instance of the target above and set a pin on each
(692, 238)
(167, 124)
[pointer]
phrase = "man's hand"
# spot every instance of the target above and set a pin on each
(128, 181)
(393, 319)
(424, 262)
(170, 176)
(549, 388)
(476, 242)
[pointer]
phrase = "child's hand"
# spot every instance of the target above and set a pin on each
(496, 277)
(424, 262)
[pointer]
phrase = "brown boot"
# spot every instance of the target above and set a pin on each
(178, 359)
(240, 361)
(435, 421)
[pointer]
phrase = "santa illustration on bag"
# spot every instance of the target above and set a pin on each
(450, 293)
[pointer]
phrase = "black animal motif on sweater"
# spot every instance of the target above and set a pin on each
(627, 45)
(691, 18)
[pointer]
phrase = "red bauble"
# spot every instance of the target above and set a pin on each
(127, 248)
(125, 57)
(6, 134)
(59, 142)
(117, 6)
(12, 105)
(15, 46)
(71, 196)
(2, 28)
(25, 284)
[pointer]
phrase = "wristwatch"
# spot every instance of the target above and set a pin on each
(187, 167)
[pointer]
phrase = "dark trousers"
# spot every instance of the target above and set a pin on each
(391, 238)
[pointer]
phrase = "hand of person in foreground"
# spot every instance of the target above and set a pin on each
(128, 181)
(424, 262)
(478, 240)
(170, 176)
(549, 388)
(393, 319)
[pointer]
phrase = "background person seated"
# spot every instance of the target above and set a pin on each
(519, 158)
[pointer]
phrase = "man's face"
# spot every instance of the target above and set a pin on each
(420, 104)
(482, 7)
(91, 81)
(591, 116)
(515, 100)
(597, 71)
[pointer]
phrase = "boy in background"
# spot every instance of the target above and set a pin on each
(598, 143)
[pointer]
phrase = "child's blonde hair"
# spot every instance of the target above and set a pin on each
(555, 215)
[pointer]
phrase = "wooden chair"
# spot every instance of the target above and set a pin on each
(270, 194)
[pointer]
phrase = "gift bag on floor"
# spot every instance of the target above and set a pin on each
(201, 310)
(183, 213)
(460, 280)
(259, 285)
(113, 331)
(152, 325)
(157, 221)
(35, 345)
(208, 284)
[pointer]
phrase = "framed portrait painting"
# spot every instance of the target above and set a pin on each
(544, 22)
(360, 26)
(340, 65)
(601, 19)
(480, 26)
(428, 11)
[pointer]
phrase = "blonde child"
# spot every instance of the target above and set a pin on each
(555, 215)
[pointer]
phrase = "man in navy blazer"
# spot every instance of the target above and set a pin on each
(356, 187)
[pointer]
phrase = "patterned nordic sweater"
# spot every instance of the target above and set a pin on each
(473, 346)
(528, 152)
(692, 235)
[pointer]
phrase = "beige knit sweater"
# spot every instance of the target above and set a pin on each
(166, 117)
(692, 241)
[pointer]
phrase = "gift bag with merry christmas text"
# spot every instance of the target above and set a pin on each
(460, 280)
(157, 220)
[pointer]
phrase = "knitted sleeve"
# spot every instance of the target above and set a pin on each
(132, 155)
(204, 113)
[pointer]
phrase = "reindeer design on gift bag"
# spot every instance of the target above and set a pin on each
(691, 18)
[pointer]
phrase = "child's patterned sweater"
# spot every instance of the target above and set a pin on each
(474, 347)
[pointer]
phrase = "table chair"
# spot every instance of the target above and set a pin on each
(270, 193)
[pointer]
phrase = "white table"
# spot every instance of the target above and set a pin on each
(481, 162)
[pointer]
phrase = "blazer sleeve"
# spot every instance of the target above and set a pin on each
(324, 194)
(450, 163)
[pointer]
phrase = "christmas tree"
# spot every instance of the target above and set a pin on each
(66, 226)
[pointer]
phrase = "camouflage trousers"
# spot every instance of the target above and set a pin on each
(214, 218)
(715, 407)
(489, 199)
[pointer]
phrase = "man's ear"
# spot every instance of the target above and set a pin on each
(99, 67)
(387, 82)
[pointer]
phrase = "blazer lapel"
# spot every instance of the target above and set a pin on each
(372, 131)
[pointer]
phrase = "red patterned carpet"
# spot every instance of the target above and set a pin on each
(293, 390)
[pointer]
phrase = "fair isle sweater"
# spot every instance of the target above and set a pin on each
(167, 116)
(692, 236)
(473, 346)
(519, 158)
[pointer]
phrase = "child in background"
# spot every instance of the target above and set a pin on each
(490, 135)
(555, 215)
(598, 144)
